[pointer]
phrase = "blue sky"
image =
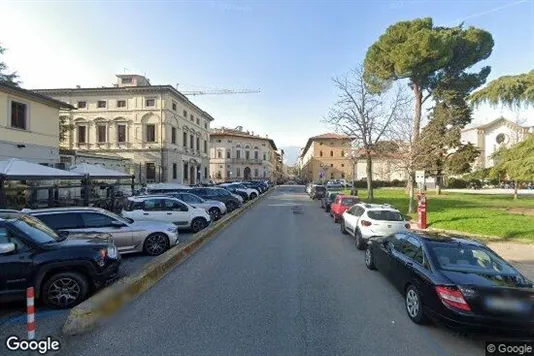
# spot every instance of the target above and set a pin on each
(288, 49)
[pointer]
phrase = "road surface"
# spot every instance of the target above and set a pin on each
(281, 280)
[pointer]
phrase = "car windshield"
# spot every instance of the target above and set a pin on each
(385, 215)
(349, 201)
(224, 192)
(36, 230)
(332, 197)
(469, 259)
(320, 189)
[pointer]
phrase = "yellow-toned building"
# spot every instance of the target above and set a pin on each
(29, 125)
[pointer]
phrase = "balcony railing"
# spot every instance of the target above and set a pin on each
(247, 161)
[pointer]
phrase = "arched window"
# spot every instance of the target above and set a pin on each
(320, 153)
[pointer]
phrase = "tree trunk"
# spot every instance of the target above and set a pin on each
(515, 189)
(438, 184)
(369, 171)
(418, 93)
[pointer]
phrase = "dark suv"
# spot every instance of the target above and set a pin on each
(219, 194)
(318, 192)
(62, 271)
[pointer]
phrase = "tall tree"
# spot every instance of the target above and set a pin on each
(12, 77)
(513, 91)
(420, 52)
(365, 116)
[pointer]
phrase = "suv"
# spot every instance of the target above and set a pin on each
(167, 209)
(62, 271)
(215, 208)
(251, 192)
(151, 237)
(341, 204)
(219, 194)
(317, 192)
(364, 221)
(327, 201)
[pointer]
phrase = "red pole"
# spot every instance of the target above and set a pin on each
(30, 310)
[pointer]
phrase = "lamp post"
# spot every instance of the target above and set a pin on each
(354, 155)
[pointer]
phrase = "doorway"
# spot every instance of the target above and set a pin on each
(246, 173)
(192, 175)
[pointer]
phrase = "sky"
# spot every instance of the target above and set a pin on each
(289, 50)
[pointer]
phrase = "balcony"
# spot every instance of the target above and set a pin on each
(246, 161)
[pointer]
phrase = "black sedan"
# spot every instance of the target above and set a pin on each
(328, 200)
(454, 281)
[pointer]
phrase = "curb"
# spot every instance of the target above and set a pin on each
(89, 314)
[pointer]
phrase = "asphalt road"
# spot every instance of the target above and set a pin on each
(281, 280)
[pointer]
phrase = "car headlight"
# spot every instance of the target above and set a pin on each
(112, 251)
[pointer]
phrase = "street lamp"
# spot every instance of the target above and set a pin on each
(354, 155)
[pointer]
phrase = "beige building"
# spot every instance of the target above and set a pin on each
(241, 155)
(329, 156)
(164, 134)
(29, 125)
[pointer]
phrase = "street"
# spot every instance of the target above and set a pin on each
(281, 280)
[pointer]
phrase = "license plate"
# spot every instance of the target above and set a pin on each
(506, 305)
(389, 226)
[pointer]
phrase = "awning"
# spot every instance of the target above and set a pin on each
(95, 171)
(16, 169)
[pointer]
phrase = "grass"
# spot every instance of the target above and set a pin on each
(471, 213)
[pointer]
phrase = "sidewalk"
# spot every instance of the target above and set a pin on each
(519, 254)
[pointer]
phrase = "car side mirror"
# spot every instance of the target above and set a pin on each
(6, 248)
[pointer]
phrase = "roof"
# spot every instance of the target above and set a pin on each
(60, 210)
(326, 136)
(118, 90)
(96, 171)
(33, 95)
(237, 133)
(493, 122)
(378, 206)
(16, 169)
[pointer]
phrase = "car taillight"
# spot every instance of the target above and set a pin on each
(452, 297)
(407, 226)
(366, 223)
(103, 253)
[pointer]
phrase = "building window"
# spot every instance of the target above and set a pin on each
(264, 174)
(150, 171)
(127, 80)
(228, 154)
(174, 106)
(256, 172)
(151, 133)
(238, 154)
(185, 139)
(331, 165)
(331, 175)
(174, 171)
(331, 153)
(82, 134)
(19, 112)
(186, 171)
(205, 172)
(247, 154)
(205, 125)
(342, 175)
(238, 172)
(185, 114)
(191, 141)
(256, 155)
(264, 157)
(342, 153)
(173, 135)
(342, 165)
(101, 104)
(219, 154)
(198, 143)
(191, 117)
(320, 153)
(121, 133)
(228, 174)
(121, 103)
(150, 102)
(198, 121)
(205, 146)
(101, 133)
(82, 104)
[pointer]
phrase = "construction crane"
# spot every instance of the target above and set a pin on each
(218, 91)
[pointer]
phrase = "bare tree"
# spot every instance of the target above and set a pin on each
(366, 117)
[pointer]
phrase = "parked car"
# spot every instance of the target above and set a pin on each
(63, 271)
(167, 209)
(327, 200)
(215, 208)
(342, 204)
(251, 192)
(261, 187)
(364, 221)
(309, 187)
(163, 188)
(150, 237)
(455, 281)
(318, 192)
(231, 201)
(236, 192)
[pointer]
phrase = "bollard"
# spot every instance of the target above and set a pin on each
(30, 310)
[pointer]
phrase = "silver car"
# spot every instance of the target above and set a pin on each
(215, 208)
(150, 237)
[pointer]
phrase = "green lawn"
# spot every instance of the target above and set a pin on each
(472, 213)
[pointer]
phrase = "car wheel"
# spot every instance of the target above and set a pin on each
(198, 224)
(369, 259)
(342, 227)
(215, 213)
(231, 206)
(358, 240)
(156, 244)
(414, 306)
(65, 290)
(253, 196)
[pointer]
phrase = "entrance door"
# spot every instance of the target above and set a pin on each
(192, 175)
(246, 173)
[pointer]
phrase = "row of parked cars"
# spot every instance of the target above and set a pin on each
(451, 280)
(66, 253)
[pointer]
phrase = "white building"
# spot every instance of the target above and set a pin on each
(492, 136)
(164, 134)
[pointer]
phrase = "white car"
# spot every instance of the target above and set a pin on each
(173, 210)
(364, 221)
(251, 192)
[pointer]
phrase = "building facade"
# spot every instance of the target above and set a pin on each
(241, 155)
(329, 157)
(492, 136)
(164, 134)
(29, 125)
